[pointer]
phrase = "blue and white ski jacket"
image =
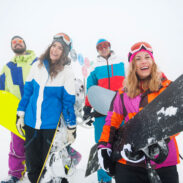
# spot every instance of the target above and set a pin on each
(45, 99)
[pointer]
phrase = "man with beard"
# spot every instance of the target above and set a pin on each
(12, 79)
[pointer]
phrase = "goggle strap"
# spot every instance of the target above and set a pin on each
(131, 56)
(142, 46)
(63, 37)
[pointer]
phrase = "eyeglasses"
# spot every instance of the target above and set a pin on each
(17, 41)
(103, 45)
(65, 37)
(139, 46)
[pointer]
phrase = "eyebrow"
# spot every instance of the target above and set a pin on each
(140, 55)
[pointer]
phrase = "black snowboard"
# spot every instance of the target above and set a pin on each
(92, 165)
(160, 119)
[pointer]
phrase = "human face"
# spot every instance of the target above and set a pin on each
(18, 46)
(104, 52)
(143, 62)
(56, 51)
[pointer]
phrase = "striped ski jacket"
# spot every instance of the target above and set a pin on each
(108, 74)
(15, 72)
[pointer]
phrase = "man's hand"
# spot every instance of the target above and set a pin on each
(20, 125)
(88, 115)
(71, 134)
(87, 112)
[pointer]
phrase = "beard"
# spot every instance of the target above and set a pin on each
(19, 50)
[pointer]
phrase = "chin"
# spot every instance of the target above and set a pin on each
(53, 60)
(145, 76)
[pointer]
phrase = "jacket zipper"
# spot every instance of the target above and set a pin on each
(108, 74)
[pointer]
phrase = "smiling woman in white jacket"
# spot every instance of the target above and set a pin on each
(48, 92)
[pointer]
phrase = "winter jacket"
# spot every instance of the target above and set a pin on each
(45, 99)
(106, 73)
(125, 108)
(14, 73)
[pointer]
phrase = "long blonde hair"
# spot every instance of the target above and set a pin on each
(134, 86)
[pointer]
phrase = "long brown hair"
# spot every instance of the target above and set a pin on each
(134, 86)
(54, 68)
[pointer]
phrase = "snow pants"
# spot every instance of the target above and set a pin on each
(36, 148)
(129, 174)
(16, 157)
(98, 127)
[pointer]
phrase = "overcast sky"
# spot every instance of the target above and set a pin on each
(122, 22)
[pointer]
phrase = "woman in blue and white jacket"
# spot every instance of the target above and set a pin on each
(49, 91)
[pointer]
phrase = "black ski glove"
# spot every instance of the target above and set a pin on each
(87, 112)
(105, 161)
(90, 122)
(88, 115)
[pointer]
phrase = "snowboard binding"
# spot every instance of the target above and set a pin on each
(157, 152)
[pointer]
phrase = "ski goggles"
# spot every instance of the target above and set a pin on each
(140, 46)
(65, 38)
(17, 41)
(102, 45)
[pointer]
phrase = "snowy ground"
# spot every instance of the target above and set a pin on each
(85, 140)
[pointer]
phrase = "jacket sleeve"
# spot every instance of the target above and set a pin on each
(28, 91)
(113, 121)
(69, 100)
(91, 80)
(3, 85)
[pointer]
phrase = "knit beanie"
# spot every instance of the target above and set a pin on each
(102, 41)
(14, 37)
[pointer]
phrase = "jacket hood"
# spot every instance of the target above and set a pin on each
(28, 57)
(101, 59)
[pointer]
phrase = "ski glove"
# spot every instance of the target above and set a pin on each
(20, 125)
(88, 115)
(87, 112)
(132, 156)
(105, 161)
(71, 134)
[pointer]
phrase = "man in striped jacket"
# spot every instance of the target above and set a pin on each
(12, 79)
(108, 72)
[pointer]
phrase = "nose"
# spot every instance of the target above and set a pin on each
(143, 60)
(54, 49)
